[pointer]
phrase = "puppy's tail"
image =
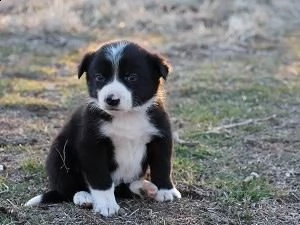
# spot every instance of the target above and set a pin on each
(48, 197)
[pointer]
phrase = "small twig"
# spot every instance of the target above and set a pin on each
(66, 214)
(266, 218)
(63, 157)
(178, 140)
(14, 205)
(296, 197)
(133, 212)
(93, 218)
(6, 188)
(217, 130)
(64, 152)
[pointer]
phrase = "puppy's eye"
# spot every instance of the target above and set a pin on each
(99, 77)
(131, 77)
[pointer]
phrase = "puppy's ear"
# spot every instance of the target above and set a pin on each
(161, 65)
(85, 62)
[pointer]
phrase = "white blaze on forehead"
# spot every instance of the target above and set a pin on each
(114, 52)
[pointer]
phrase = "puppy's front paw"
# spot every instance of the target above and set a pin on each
(104, 202)
(106, 208)
(167, 194)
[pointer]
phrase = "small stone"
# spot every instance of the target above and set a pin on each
(122, 212)
(2, 168)
(252, 176)
(248, 179)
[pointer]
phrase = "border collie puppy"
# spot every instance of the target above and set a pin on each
(110, 142)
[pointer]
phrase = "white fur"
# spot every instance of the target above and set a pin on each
(167, 195)
(104, 202)
(34, 201)
(129, 132)
(83, 198)
(117, 90)
(114, 53)
(145, 106)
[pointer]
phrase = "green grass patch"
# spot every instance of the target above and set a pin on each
(252, 128)
(218, 91)
(210, 107)
(22, 85)
(193, 153)
(7, 50)
(187, 163)
(214, 140)
(27, 92)
(32, 166)
(3, 186)
(213, 96)
(6, 220)
(186, 170)
(4, 86)
(235, 190)
(14, 149)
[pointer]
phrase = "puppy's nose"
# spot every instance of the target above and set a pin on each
(112, 100)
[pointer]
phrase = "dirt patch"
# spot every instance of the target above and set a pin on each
(233, 62)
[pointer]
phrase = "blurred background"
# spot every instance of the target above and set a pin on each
(233, 97)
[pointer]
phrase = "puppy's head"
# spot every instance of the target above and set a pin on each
(122, 75)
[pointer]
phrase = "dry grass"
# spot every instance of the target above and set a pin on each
(239, 20)
(233, 62)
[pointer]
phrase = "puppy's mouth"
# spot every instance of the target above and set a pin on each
(113, 109)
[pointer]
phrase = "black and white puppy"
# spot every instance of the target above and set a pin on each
(113, 139)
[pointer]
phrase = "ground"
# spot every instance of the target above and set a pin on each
(233, 97)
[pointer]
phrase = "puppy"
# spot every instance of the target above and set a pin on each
(110, 142)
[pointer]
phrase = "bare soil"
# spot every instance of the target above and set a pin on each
(233, 96)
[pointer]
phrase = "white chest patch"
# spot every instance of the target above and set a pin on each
(129, 132)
